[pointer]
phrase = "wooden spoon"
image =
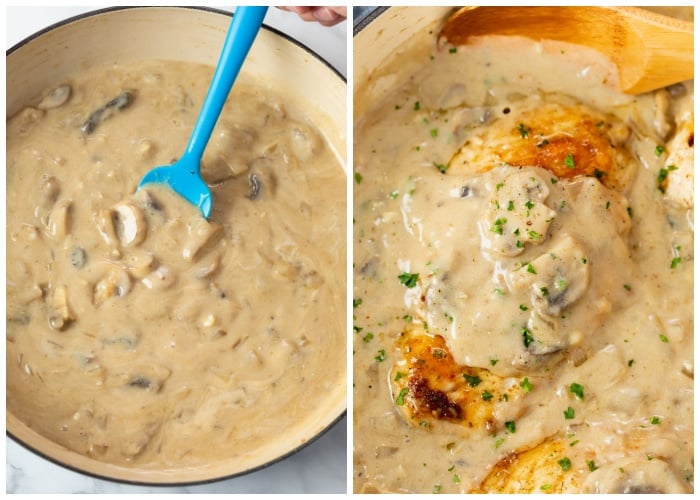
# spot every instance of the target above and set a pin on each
(650, 50)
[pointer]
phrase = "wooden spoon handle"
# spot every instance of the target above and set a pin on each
(668, 51)
(650, 50)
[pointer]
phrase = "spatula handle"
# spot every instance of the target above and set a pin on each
(244, 28)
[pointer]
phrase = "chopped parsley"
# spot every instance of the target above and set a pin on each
(564, 463)
(434, 132)
(401, 398)
(569, 413)
(455, 478)
(510, 425)
(527, 337)
(407, 318)
(531, 269)
(437, 488)
(534, 235)
(526, 385)
(486, 396)
(577, 390)
(569, 161)
(529, 205)
(523, 307)
(663, 338)
(441, 167)
(591, 465)
(498, 225)
(493, 362)
(659, 150)
(416, 106)
(472, 380)
(499, 186)
(381, 355)
(368, 336)
(675, 261)
(453, 50)
(655, 420)
(356, 302)
(511, 205)
(524, 132)
(438, 353)
(408, 279)
(358, 177)
(663, 176)
(399, 376)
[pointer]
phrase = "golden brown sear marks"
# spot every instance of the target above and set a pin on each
(429, 385)
(568, 139)
(542, 469)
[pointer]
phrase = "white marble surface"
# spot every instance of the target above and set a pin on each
(321, 467)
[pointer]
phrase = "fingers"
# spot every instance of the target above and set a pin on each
(326, 16)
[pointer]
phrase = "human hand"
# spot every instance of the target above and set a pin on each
(327, 16)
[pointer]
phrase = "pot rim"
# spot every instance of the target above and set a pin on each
(212, 10)
(224, 477)
(364, 16)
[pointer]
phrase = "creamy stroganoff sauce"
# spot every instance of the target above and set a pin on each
(139, 333)
(575, 292)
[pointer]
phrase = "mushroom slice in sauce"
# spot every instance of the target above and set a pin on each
(58, 96)
(105, 112)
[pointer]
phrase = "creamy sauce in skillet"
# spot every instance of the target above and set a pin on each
(139, 333)
(575, 293)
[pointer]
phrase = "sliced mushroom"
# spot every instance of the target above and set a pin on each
(201, 234)
(104, 221)
(557, 278)
(130, 224)
(160, 279)
(78, 257)
(56, 97)
(262, 181)
(60, 313)
(663, 121)
(230, 146)
(59, 220)
(516, 215)
(139, 263)
(148, 376)
(98, 116)
(116, 283)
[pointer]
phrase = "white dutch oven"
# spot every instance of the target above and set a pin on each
(193, 35)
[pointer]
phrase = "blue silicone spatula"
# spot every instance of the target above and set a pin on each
(183, 176)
